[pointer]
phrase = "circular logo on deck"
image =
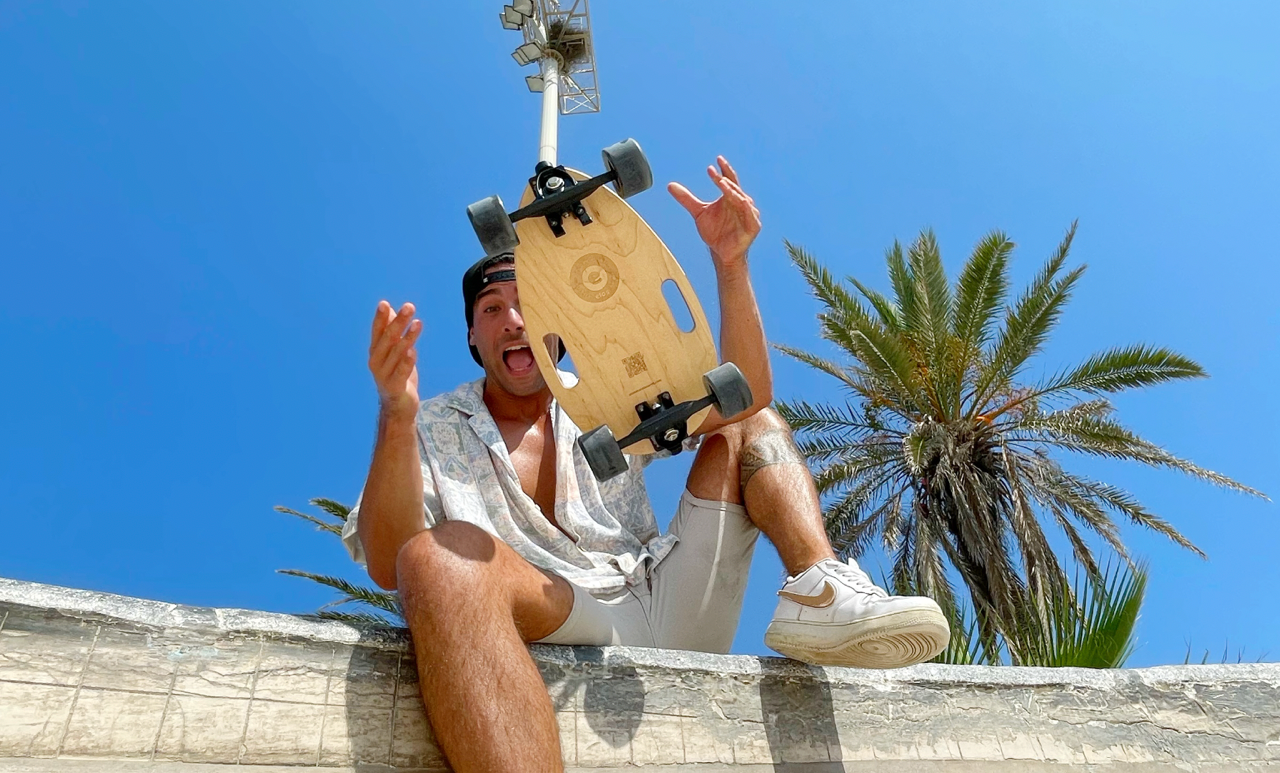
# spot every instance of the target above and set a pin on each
(594, 278)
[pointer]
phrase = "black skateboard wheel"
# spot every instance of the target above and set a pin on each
(603, 455)
(729, 388)
(496, 232)
(628, 161)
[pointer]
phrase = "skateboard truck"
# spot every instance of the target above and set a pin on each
(557, 195)
(665, 422)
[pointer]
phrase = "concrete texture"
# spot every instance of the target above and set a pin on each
(91, 681)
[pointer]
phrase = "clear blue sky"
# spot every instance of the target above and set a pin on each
(201, 204)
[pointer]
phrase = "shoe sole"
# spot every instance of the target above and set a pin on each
(889, 641)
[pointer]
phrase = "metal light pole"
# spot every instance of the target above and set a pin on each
(550, 110)
(558, 38)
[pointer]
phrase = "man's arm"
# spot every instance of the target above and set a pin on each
(391, 506)
(729, 225)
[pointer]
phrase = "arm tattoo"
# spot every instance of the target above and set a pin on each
(772, 447)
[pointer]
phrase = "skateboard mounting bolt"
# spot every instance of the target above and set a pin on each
(671, 435)
(554, 184)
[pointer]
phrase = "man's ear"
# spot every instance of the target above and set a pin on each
(471, 336)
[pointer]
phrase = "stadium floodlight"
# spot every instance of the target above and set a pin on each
(557, 38)
(528, 53)
(512, 19)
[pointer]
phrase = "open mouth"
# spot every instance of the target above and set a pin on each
(518, 359)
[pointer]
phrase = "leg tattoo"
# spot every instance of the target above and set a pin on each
(772, 447)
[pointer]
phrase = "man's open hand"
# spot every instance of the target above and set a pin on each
(729, 224)
(392, 359)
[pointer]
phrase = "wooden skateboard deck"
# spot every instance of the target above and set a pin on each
(599, 287)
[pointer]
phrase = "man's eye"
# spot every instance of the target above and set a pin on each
(490, 308)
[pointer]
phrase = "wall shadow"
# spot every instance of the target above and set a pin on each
(799, 717)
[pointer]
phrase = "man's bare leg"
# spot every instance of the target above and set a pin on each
(756, 464)
(472, 604)
(828, 613)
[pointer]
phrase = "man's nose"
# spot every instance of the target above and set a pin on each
(514, 321)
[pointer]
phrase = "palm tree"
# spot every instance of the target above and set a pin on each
(382, 607)
(946, 455)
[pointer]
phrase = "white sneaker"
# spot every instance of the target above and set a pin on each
(834, 615)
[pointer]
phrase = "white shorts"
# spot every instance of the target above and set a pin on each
(693, 597)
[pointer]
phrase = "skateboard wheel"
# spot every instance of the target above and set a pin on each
(729, 388)
(602, 453)
(493, 228)
(628, 161)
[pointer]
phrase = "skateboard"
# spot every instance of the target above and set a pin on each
(590, 272)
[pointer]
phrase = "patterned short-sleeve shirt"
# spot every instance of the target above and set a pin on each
(610, 538)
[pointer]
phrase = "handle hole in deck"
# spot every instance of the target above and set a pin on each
(678, 306)
(568, 372)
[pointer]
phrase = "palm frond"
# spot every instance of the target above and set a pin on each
(1027, 324)
(360, 618)
(332, 507)
(890, 361)
(826, 289)
(1129, 367)
(1044, 574)
(981, 289)
(888, 311)
(386, 601)
(965, 647)
(930, 279)
(1096, 633)
(1100, 436)
(904, 290)
(320, 525)
(1123, 502)
(803, 416)
(832, 369)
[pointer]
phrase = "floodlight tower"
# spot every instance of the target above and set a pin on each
(558, 39)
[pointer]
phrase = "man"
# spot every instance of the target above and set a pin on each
(481, 510)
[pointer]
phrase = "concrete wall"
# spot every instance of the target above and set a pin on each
(94, 682)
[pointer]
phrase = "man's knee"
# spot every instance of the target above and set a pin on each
(741, 433)
(439, 563)
(765, 441)
(763, 421)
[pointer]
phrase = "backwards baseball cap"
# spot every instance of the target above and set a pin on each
(477, 278)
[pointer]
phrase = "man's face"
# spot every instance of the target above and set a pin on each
(497, 332)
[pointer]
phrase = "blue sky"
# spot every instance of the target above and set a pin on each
(201, 204)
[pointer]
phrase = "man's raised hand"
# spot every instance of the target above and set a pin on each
(729, 224)
(393, 360)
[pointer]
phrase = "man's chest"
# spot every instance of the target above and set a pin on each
(532, 450)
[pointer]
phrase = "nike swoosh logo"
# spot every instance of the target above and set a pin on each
(817, 601)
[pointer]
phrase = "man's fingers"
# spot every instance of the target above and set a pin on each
(398, 345)
(733, 193)
(738, 189)
(727, 170)
(402, 350)
(380, 319)
(684, 198)
(404, 368)
(391, 333)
